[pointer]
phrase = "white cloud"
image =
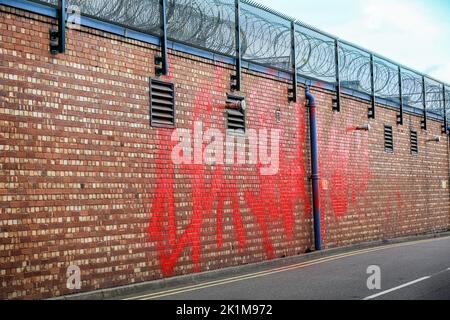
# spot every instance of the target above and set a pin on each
(405, 17)
(401, 30)
(441, 73)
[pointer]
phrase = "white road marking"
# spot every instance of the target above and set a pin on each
(397, 288)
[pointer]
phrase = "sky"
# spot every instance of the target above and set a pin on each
(415, 33)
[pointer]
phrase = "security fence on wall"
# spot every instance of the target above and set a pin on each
(274, 40)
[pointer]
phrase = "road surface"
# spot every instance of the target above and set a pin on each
(416, 270)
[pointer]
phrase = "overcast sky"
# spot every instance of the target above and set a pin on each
(415, 33)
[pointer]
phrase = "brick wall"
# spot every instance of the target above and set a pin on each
(86, 180)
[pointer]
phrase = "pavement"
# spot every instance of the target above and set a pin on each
(418, 270)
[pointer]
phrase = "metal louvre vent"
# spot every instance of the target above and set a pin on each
(388, 139)
(414, 142)
(236, 114)
(162, 104)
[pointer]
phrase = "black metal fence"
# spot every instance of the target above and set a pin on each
(266, 39)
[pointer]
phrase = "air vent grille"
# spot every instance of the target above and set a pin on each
(162, 104)
(388, 139)
(236, 114)
(414, 142)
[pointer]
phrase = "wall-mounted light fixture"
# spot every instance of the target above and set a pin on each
(365, 127)
(235, 102)
(435, 139)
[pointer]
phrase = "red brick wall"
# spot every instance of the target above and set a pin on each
(370, 194)
(85, 180)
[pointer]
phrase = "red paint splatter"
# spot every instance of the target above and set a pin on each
(339, 190)
(344, 161)
(264, 201)
(272, 200)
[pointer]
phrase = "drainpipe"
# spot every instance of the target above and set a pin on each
(311, 104)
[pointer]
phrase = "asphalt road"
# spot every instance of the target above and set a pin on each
(411, 271)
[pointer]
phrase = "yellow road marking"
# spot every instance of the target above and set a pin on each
(215, 283)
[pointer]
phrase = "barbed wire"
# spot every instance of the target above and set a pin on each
(265, 39)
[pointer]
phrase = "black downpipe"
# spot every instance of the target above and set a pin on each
(311, 104)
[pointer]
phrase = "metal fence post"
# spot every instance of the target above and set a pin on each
(58, 37)
(162, 61)
(337, 102)
(293, 90)
(372, 90)
(424, 100)
(236, 78)
(62, 25)
(400, 88)
(444, 99)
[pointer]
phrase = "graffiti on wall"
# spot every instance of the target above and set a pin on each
(270, 199)
(344, 165)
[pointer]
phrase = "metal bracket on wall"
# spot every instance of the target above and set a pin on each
(58, 36)
(424, 123)
(292, 92)
(337, 100)
(444, 100)
(372, 88)
(400, 88)
(236, 78)
(162, 66)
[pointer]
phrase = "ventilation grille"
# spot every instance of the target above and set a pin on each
(388, 139)
(162, 104)
(236, 114)
(414, 142)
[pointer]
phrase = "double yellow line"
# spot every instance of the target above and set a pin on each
(216, 283)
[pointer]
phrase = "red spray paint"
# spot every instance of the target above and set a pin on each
(345, 162)
(272, 201)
